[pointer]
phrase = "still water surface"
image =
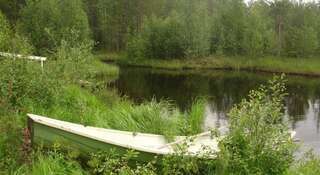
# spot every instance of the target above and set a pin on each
(222, 90)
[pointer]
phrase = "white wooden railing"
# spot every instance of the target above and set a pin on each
(36, 58)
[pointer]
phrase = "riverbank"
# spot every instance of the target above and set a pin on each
(293, 66)
(61, 96)
(75, 92)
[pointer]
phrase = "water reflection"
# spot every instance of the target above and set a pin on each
(223, 90)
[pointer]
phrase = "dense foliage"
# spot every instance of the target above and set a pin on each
(69, 88)
(173, 28)
(258, 140)
(47, 22)
(4, 32)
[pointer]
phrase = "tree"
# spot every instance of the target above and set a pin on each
(183, 32)
(196, 27)
(163, 37)
(300, 34)
(279, 11)
(259, 35)
(47, 22)
(4, 33)
(116, 20)
(11, 8)
(228, 27)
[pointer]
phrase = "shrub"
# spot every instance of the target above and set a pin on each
(111, 163)
(20, 45)
(259, 141)
(22, 82)
(72, 61)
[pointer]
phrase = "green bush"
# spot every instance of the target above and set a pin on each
(72, 61)
(259, 141)
(23, 82)
(20, 45)
(111, 163)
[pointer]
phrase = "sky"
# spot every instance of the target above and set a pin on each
(295, 0)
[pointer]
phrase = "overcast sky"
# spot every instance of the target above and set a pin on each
(295, 0)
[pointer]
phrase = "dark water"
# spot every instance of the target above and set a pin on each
(222, 90)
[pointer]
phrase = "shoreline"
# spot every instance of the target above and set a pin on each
(218, 69)
(272, 65)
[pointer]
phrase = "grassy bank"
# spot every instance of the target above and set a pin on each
(296, 66)
(75, 91)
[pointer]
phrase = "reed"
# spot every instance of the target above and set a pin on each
(196, 116)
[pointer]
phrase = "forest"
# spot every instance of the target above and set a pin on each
(75, 83)
(171, 28)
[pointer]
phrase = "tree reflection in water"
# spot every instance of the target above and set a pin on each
(223, 89)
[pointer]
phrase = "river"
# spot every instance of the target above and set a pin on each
(223, 89)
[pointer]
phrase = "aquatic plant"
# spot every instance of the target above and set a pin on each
(195, 117)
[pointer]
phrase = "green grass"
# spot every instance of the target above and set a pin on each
(51, 163)
(108, 56)
(78, 105)
(301, 66)
(307, 166)
(102, 69)
(196, 116)
(61, 97)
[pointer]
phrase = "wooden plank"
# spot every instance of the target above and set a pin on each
(12, 55)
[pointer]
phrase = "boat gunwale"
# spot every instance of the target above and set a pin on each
(39, 119)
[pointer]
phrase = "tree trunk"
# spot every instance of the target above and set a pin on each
(279, 35)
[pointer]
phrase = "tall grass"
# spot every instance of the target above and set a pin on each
(196, 116)
(56, 92)
(80, 106)
(309, 165)
(51, 163)
(25, 88)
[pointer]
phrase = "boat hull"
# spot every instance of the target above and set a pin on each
(43, 135)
